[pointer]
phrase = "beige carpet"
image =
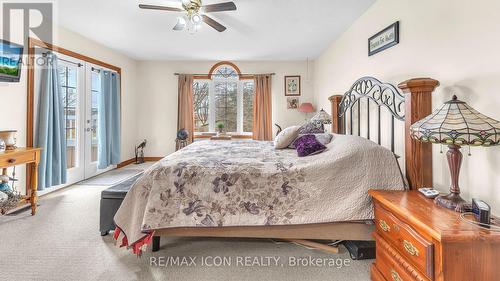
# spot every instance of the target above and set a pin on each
(62, 242)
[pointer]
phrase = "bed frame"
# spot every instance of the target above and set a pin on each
(413, 104)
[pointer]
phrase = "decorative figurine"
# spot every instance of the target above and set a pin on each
(182, 134)
(139, 152)
(4, 184)
(182, 139)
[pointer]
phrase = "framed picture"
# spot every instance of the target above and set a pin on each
(292, 85)
(292, 103)
(384, 39)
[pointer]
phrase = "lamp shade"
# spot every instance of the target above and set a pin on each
(322, 118)
(306, 107)
(455, 122)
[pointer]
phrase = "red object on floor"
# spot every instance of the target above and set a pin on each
(138, 246)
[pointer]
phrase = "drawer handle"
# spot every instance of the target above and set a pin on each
(385, 227)
(410, 248)
(12, 160)
(395, 276)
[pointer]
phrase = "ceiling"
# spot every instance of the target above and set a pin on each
(258, 30)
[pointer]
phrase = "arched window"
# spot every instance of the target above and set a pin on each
(223, 98)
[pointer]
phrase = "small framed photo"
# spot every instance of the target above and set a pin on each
(292, 103)
(384, 39)
(292, 85)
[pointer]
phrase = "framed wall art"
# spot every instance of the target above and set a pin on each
(384, 39)
(292, 103)
(292, 85)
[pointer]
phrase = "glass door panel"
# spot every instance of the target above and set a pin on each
(73, 90)
(92, 121)
(94, 114)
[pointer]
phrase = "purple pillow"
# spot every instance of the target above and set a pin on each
(308, 145)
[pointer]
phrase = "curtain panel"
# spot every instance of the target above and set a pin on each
(51, 129)
(185, 118)
(262, 113)
(109, 120)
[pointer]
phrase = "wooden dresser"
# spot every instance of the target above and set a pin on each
(22, 156)
(418, 240)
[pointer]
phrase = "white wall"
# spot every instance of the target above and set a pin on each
(453, 41)
(13, 96)
(158, 94)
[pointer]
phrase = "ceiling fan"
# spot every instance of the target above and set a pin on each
(196, 14)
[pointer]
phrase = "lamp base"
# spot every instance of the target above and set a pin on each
(452, 201)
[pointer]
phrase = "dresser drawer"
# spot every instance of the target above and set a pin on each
(12, 159)
(375, 274)
(416, 249)
(392, 266)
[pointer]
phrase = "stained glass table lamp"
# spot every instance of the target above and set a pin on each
(322, 118)
(456, 124)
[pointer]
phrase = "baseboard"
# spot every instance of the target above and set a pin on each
(131, 161)
(125, 163)
(152, 159)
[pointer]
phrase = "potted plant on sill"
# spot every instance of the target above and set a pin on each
(220, 128)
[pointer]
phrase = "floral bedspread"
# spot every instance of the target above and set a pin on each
(249, 183)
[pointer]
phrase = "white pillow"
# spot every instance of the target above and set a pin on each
(286, 137)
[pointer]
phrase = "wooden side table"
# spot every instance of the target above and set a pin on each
(23, 156)
(418, 240)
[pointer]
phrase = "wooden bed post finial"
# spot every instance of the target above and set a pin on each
(418, 104)
(336, 124)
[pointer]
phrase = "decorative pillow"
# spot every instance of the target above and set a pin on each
(311, 128)
(286, 137)
(308, 145)
(324, 139)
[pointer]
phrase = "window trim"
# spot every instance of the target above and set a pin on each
(211, 80)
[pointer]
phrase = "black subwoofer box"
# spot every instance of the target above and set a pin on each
(360, 250)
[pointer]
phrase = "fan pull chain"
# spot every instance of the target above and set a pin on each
(441, 148)
(469, 151)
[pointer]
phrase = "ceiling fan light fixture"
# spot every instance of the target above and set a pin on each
(181, 24)
(195, 14)
(196, 19)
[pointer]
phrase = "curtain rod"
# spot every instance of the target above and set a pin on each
(242, 74)
(75, 63)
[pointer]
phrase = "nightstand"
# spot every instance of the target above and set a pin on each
(418, 240)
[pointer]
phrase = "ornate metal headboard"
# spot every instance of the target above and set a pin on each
(411, 106)
(377, 95)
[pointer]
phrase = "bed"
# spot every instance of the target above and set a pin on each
(250, 189)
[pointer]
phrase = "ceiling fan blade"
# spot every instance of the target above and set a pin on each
(213, 23)
(162, 8)
(220, 7)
